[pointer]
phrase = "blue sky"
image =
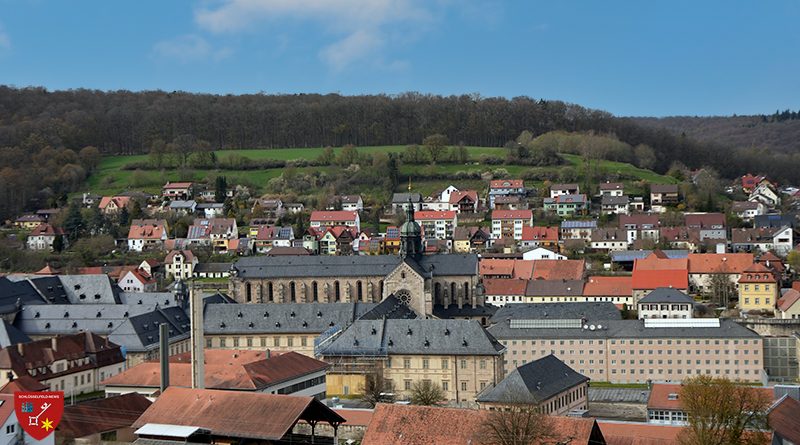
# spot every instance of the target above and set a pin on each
(627, 57)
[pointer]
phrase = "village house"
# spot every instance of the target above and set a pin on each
(400, 201)
(680, 238)
(665, 403)
(440, 200)
(567, 205)
(612, 189)
(470, 239)
(210, 210)
(505, 187)
(349, 203)
(323, 218)
(183, 208)
(657, 270)
(789, 305)
(29, 222)
(609, 239)
(749, 182)
(265, 237)
(662, 196)
(617, 290)
(457, 355)
(147, 234)
(704, 267)
(540, 253)
(44, 235)
(216, 232)
(758, 289)
(337, 240)
(137, 280)
(665, 303)
(74, 363)
(747, 210)
(614, 204)
(766, 194)
(547, 383)
(709, 225)
(510, 223)
(437, 224)
(779, 240)
(640, 226)
(509, 202)
(177, 190)
(212, 270)
(578, 229)
(539, 236)
(557, 190)
(180, 264)
(112, 205)
(463, 201)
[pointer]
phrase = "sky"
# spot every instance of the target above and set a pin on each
(632, 58)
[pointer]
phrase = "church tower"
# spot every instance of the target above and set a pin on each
(410, 234)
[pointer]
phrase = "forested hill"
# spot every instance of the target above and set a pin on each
(779, 131)
(51, 140)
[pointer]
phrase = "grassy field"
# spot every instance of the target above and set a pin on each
(111, 178)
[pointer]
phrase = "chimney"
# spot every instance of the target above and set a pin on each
(198, 354)
(163, 349)
(54, 343)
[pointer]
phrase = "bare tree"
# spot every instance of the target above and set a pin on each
(721, 289)
(425, 392)
(376, 388)
(517, 422)
(720, 412)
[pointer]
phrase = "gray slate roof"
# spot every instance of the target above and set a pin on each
(303, 266)
(280, 318)
(162, 299)
(623, 329)
(212, 267)
(402, 198)
(13, 292)
(140, 332)
(557, 311)
(390, 307)
(52, 319)
(609, 200)
(630, 255)
(535, 382)
(667, 295)
(418, 336)
(546, 288)
(466, 310)
(90, 289)
(9, 335)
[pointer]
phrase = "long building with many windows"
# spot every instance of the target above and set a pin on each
(636, 351)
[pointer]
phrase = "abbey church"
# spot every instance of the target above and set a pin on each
(420, 281)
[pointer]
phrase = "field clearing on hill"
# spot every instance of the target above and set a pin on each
(111, 177)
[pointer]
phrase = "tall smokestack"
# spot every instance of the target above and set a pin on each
(198, 354)
(163, 349)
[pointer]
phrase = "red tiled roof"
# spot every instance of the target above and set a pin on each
(638, 219)
(355, 416)
(456, 197)
(147, 229)
(506, 183)
(757, 273)
(333, 215)
(654, 262)
(177, 185)
(601, 286)
(512, 214)
(234, 413)
(47, 270)
(704, 220)
(6, 406)
(558, 269)
(102, 415)
(422, 215)
(23, 383)
(784, 419)
(539, 233)
(45, 229)
(119, 201)
(425, 425)
(496, 267)
(706, 263)
(630, 433)
(188, 256)
(652, 279)
(611, 186)
(788, 299)
(224, 371)
(504, 286)
(659, 395)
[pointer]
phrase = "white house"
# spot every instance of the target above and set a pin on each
(540, 253)
(779, 240)
(747, 210)
(564, 189)
(437, 225)
(43, 237)
(329, 218)
(510, 223)
(180, 264)
(135, 280)
(614, 204)
(665, 303)
(612, 189)
(146, 234)
(765, 194)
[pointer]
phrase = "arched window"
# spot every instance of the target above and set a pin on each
(359, 293)
(314, 296)
(452, 291)
(437, 292)
(270, 298)
(336, 294)
(248, 292)
(466, 291)
(380, 285)
(292, 292)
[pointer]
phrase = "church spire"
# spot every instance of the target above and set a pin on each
(410, 231)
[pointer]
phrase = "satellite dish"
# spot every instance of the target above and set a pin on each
(599, 326)
(586, 326)
(592, 328)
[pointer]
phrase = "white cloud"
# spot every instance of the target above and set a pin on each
(357, 29)
(5, 41)
(189, 48)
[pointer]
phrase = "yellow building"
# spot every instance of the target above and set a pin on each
(457, 355)
(758, 289)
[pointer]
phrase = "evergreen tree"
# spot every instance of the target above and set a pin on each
(220, 189)
(58, 244)
(124, 217)
(74, 224)
(136, 210)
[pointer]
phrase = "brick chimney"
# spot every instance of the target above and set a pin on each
(54, 343)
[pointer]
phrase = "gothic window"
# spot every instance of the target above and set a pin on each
(248, 292)
(336, 293)
(359, 291)
(269, 292)
(292, 292)
(315, 295)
